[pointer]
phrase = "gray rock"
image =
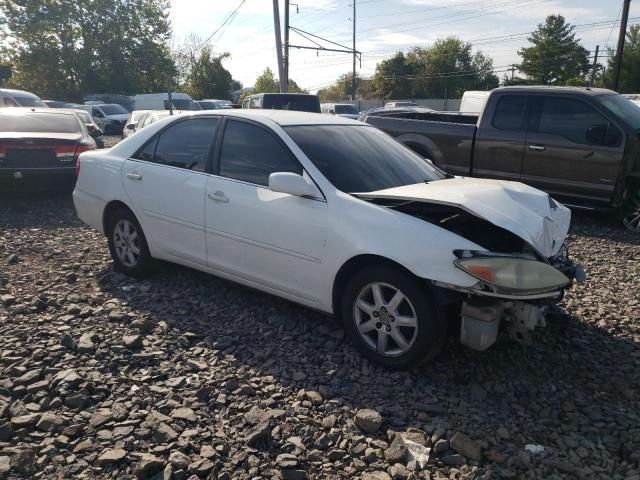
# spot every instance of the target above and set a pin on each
(163, 433)
(440, 446)
(68, 341)
(24, 462)
(77, 401)
(50, 422)
(184, 413)
(397, 451)
(400, 472)
(109, 457)
(86, 342)
(464, 445)
(207, 451)
(379, 475)
(454, 460)
(25, 421)
(261, 431)
(5, 466)
(148, 466)
(119, 412)
(6, 432)
(286, 460)
(7, 300)
(132, 342)
(335, 454)
(503, 434)
(369, 421)
(179, 460)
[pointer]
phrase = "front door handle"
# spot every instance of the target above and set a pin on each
(134, 176)
(218, 197)
(537, 148)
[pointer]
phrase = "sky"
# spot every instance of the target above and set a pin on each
(496, 27)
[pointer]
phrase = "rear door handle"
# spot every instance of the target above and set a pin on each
(134, 176)
(218, 197)
(538, 148)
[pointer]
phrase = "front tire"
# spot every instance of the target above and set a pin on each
(391, 317)
(128, 245)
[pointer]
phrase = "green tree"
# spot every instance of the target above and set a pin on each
(208, 77)
(266, 82)
(448, 67)
(64, 49)
(555, 56)
(629, 81)
(341, 90)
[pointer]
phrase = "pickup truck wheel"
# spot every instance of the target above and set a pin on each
(128, 245)
(391, 318)
(631, 216)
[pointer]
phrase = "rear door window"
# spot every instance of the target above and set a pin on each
(185, 144)
(509, 114)
(250, 154)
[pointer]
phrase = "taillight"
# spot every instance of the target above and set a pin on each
(79, 149)
(65, 153)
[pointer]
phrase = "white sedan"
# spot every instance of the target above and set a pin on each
(335, 215)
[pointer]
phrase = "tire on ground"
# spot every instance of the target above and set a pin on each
(145, 263)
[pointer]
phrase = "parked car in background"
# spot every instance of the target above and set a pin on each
(346, 110)
(335, 215)
(634, 97)
(473, 101)
(404, 103)
(151, 117)
(301, 102)
(580, 145)
(160, 101)
(57, 104)
(110, 116)
(400, 112)
(212, 104)
(94, 131)
(19, 98)
(132, 122)
(40, 146)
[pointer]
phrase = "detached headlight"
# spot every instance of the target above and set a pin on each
(514, 274)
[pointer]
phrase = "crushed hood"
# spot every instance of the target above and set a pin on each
(525, 211)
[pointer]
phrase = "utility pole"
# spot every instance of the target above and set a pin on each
(353, 77)
(513, 71)
(595, 66)
(286, 45)
(276, 28)
(169, 88)
(621, 38)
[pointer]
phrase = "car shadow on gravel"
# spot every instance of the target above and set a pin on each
(575, 390)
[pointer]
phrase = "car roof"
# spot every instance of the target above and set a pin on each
(282, 117)
(29, 110)
(21, 92)
(551, 88)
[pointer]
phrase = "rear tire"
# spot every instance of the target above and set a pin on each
(391, 317)
(631, 211)
(128, 245)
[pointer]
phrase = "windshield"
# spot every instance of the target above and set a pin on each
(346, 109)
(213, 105)
(30, 102)
(114, 109)
(623, 108)
(40, 123)
(358, 159)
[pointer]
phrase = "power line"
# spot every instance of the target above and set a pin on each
(226, 21)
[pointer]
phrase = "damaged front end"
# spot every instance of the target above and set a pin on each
(517, 286)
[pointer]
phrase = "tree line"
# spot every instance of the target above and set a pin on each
(66, 49)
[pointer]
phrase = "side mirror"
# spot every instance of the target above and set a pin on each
(597, 134)
(293, 184)
(332, 112)
(131, 126)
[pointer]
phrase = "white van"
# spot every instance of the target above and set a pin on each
(347, 110)
(160, 101)
(473, 101)
(19, 98)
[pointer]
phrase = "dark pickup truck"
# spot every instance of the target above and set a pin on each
(580, 145)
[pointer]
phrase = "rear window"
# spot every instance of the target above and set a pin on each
(29, 102)
(300, 103)
(113, 109)
(346, 109)
(40, 123)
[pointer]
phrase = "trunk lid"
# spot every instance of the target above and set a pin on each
(527, 212)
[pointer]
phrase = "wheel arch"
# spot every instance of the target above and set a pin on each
(112, 207)
(359, 262)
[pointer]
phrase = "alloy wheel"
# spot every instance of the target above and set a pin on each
(385, 319)
(127, 243)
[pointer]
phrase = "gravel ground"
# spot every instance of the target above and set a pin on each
(186, 376)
